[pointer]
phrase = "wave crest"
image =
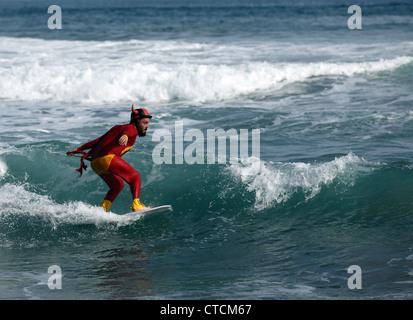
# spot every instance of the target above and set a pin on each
(17, 202)
(277, 183)
(94, 72)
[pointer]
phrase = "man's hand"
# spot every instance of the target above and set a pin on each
(123, 141)
(71, 152)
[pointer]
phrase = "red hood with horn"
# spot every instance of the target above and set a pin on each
(140, 113)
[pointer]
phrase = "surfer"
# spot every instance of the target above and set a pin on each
(106, 154)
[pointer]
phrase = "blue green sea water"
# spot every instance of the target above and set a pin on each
(331, 188)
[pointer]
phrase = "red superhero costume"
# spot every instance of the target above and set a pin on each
(106, 154)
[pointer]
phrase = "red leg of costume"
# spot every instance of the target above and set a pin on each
(121, 169)
(115, 184)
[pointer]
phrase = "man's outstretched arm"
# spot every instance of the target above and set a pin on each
(87, 145)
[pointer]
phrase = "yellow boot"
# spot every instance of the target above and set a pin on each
(136, 205)
(106, 205)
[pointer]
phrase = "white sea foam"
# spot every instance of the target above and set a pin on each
(276, 182)
(17, 200)
(3, 169)
(96, 72)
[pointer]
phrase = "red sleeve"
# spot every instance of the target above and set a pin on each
(130, 131)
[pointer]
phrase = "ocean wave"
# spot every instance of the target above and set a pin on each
(275, 183)
(89, 72)
(17, 202)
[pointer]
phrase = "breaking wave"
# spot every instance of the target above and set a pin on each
(99, 72)
(275, 183)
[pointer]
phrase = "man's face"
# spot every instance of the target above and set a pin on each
(143, 127)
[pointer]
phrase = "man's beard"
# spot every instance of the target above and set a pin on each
(141, 133)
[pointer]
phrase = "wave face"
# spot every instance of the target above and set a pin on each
(35, 190)
(270, 183)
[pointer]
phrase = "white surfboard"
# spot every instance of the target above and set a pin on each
(154, 210)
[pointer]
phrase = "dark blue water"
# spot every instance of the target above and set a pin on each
(330, 188)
